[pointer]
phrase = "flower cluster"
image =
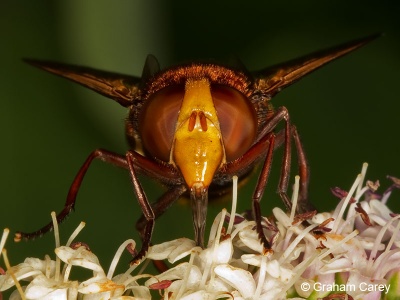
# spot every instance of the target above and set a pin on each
(350, 253)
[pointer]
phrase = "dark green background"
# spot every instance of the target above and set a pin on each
(346, 113)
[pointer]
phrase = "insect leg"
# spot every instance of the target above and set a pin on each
(290, 131)
(279, 115)
(303, 204)
(104, 155)
(263, 149)
(146, 209)
(266, 146)
(161, 205)
(261, 184)
(286, 160)
(163, 174)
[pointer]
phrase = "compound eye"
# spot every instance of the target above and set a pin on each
(237, 118)
(158, 120)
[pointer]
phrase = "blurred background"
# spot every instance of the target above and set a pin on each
(347, 113)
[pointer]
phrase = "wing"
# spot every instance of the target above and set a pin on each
(121, 88)
(273, 79)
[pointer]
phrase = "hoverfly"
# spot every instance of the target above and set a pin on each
(192, 127)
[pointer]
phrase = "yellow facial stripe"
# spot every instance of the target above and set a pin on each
(198, 150)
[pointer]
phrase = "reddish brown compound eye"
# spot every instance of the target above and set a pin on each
(237, 118)
(158, 120)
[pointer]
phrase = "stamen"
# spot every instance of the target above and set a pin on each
(242, 226)
(386, 266)
(130, 270)
(287, 239)
(363, 172)
(6, 231)
(66, 271)
(56, 231)
(135, 278)
(385, 197)
(393, 238)
(295, 242)
(339, 217)
(261, 278)
(234, 204)
(361, 192)
(117, 256)
(30, 274)
(221, 223)
(145, 264)
(214, 230)
(348, 222)
(338, 244)
(388, 191)
(10, 271)
(300, 268)
(363, 214)
(295, 197)
(48, 266)
(75, 233)
(69, 263)
(186, 276)
(377, 242)
(210, 262)
(57, 240)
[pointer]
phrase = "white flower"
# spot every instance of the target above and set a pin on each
(350, 253)
(47, 281)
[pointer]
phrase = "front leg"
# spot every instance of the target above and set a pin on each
(145, 224)
(263, 149)
(104, 155)
(146, 209)
(303, 203)
(161, 205)
(143, 165)
(284, 137)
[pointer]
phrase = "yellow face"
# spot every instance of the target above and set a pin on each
(198, 149)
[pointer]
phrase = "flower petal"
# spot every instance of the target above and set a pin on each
(249, 238)
(178, 272)
(101, 285)
(67, 253)
(170, 250)
(239, 279)
(47, 288)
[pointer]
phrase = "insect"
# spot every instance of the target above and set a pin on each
(192, 127)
